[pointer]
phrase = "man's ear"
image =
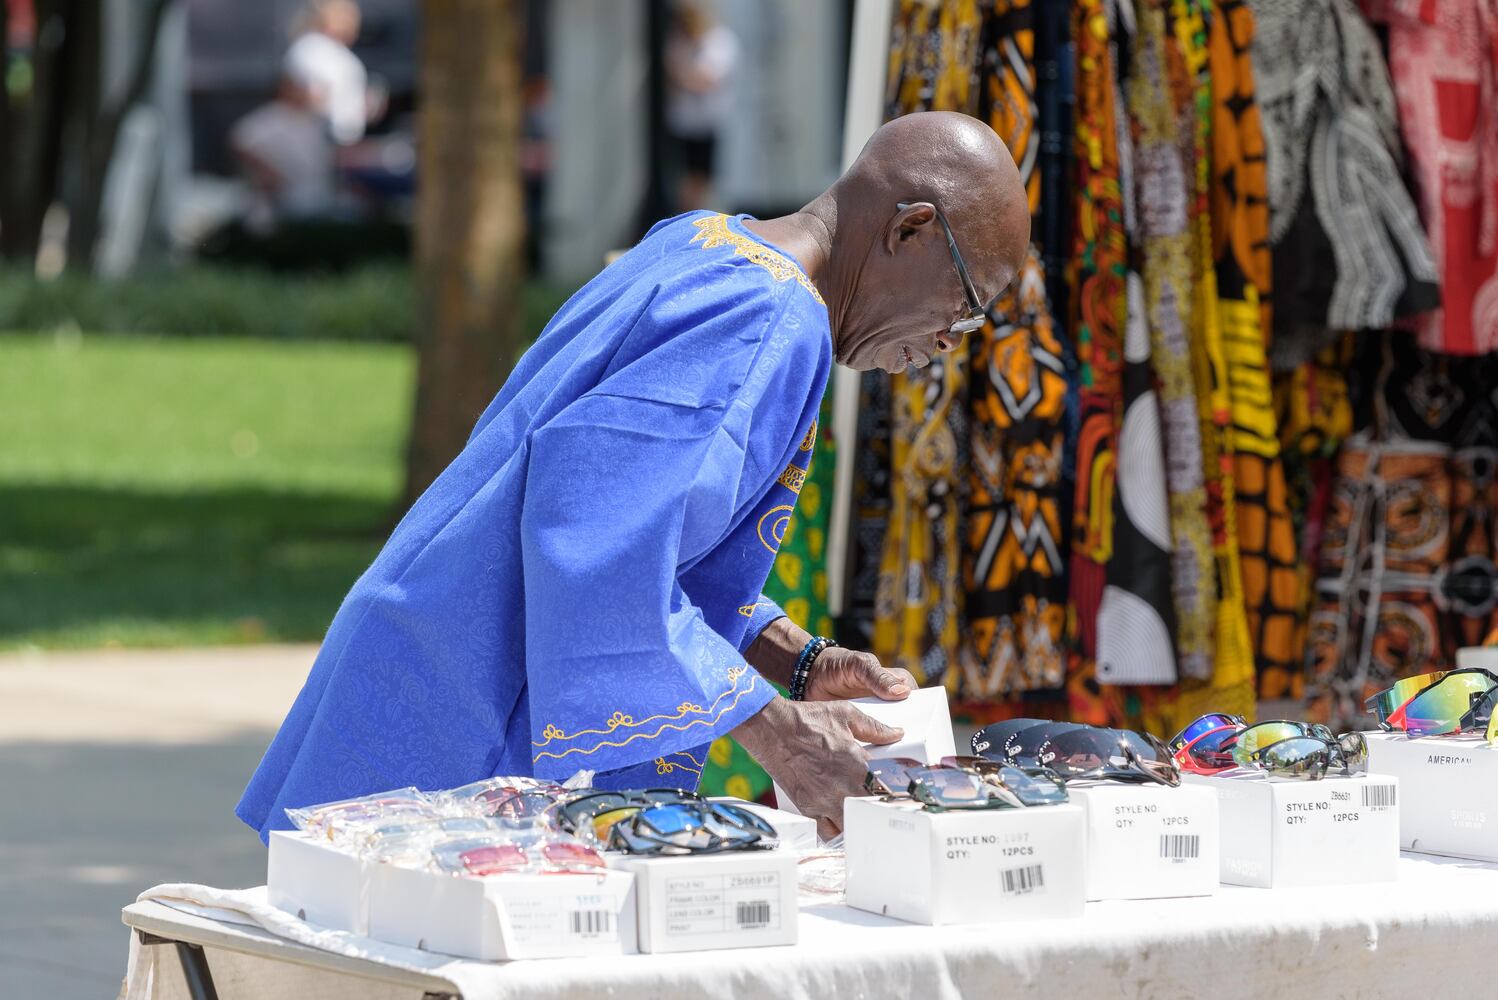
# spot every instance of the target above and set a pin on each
(908, 222)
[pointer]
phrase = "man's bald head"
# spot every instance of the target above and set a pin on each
(905, 292)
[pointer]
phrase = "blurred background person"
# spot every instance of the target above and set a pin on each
(700, 59)
(322, 56)
(286, 155)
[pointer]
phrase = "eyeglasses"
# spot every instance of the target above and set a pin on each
(976, 315)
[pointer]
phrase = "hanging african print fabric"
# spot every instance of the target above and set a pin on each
(1120, 587)
(1336, 193)
(1158, 103)
(1408, 571)
(933, 48)
(1443, 56)
(1013, 565)
(1240, 232)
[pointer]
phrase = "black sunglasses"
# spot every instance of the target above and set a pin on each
(976, 316)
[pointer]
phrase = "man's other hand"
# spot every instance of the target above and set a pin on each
(845, 673)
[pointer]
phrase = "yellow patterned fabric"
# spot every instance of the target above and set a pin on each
(1233, 663)
(1161, 102)
(1268, 560)
(933, 51)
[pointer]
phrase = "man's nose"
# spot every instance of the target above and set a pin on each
(948, 342)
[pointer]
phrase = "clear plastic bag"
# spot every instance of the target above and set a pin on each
(349, 817)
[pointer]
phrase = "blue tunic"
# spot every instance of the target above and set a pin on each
(575, 591)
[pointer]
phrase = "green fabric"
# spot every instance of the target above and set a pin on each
(798, 583)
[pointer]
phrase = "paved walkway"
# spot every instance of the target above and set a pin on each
(119, 770)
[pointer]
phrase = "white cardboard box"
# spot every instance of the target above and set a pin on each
(505, 917)
(798, 833)
(927, 720)
(307, 876)
(1274, 834)
(1149, 841)
(1448, 792)
(980, 866)
(738, 899)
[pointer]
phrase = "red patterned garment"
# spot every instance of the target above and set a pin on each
(1443, 55)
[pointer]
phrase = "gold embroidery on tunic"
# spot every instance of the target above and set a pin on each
(713, 232)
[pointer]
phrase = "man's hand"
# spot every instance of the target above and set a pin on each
(844, 673)
(837, 673)
(814, 753)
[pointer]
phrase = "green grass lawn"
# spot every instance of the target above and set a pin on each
(169, 492)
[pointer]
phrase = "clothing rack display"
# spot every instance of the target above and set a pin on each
(1128, 498)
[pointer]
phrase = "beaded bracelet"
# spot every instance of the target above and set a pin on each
(809, 654)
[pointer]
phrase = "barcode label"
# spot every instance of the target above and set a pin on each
(1180, 846)
(592, 923)
(752, 914)
(1378, 796)
(1018, 881)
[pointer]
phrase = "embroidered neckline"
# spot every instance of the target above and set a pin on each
(713, 231)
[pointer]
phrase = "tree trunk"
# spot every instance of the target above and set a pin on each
(470, 223)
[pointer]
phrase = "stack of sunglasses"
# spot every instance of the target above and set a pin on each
(1306, 751)
(961, 783)
(1071, 751)
(663, 821)
(1440, 703)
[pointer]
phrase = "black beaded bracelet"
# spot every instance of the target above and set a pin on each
(809, 654)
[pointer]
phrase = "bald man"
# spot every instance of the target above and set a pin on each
(580, 589)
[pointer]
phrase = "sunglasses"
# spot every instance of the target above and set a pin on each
(691, 828)
(1112, 754)
(333, 819)
(1391, 699)
(976, 314)
(1311, 758)
(1032, 788)
(593, 812)
(1450, 705)
(990, 740)
(1209, 723)
(483, 857)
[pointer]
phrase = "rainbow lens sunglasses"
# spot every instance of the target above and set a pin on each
(1439, 703)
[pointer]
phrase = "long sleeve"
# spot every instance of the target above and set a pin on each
(760, 614)
(621, 666)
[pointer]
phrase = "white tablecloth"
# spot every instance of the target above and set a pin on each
(1435, 929)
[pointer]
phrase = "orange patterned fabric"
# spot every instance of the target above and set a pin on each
(1240, 231)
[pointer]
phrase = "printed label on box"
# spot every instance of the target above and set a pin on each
(715, 904)
(550, 920)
